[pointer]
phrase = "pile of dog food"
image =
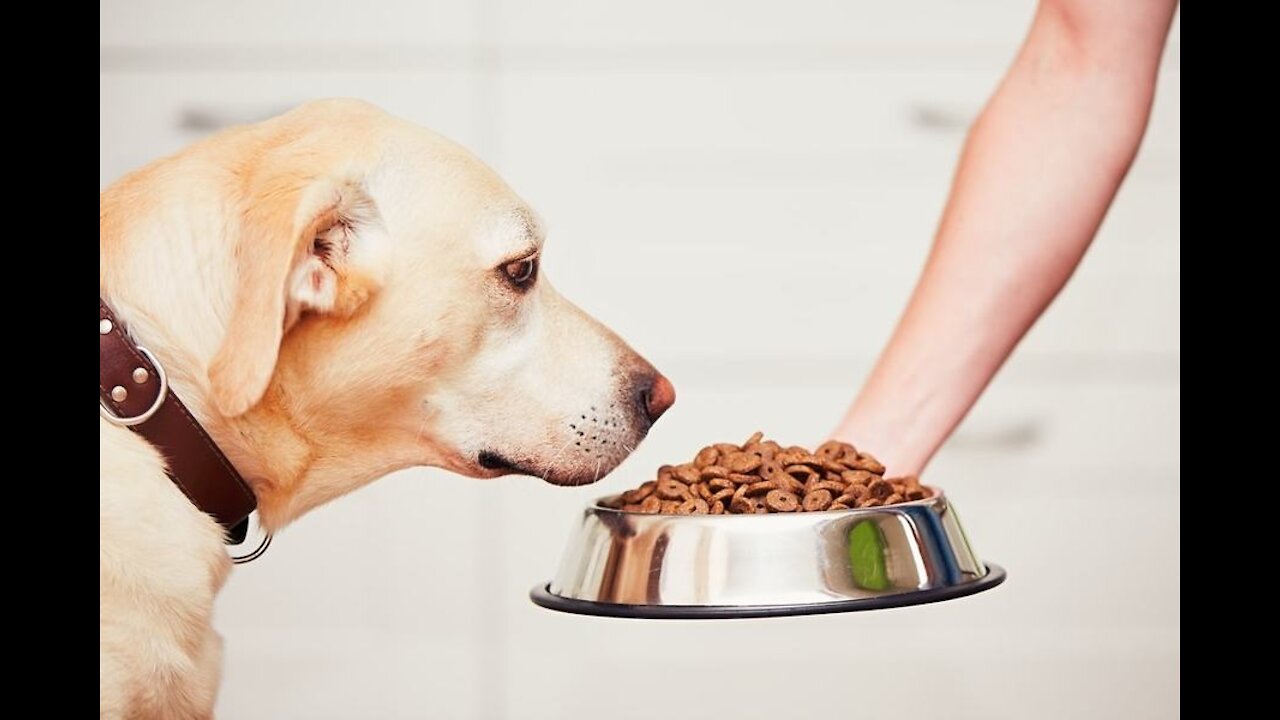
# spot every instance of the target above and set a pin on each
(761, 476)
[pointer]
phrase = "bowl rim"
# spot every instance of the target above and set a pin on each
(541, 595)
(937, 496)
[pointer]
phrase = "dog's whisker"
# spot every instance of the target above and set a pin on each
(554, 458)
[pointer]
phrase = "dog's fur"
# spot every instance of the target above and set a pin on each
(327, 291)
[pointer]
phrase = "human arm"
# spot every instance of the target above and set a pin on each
(1039, 169)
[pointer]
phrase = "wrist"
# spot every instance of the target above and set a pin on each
(895, 440)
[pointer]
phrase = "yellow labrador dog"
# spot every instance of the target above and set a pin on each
(336, 294)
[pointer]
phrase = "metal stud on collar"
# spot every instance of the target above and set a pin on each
(114, 419)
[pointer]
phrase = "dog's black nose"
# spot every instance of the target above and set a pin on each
(656, 395)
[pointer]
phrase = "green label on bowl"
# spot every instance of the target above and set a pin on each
(866, 556)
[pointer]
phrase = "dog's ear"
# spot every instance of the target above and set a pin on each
(303, 247)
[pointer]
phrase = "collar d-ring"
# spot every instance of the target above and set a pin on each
(258, 551)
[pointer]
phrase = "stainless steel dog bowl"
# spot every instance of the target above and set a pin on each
(625, 564)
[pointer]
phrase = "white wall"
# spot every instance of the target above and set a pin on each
(732, 163)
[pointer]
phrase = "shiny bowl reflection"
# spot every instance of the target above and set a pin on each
(630, 564)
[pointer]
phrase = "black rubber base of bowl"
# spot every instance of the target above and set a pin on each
(541, 595)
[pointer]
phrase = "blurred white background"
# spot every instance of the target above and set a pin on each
(745, 190)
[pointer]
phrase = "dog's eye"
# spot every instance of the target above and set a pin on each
(522, 273)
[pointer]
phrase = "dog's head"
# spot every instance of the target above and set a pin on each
(390, 307)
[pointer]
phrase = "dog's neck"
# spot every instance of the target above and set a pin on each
(163, 290)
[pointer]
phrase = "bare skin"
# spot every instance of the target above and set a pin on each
(1039, 170)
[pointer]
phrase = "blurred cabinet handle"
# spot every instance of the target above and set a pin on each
(937, 118)
(206, 120)
(1017, 435)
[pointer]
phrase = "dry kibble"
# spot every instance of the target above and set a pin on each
(790, 456)
(858, 477)
(640, 493)
(726, 449)
(830, 450)
(714, 471)
(761, 476)
(721, 483)
(909, 487)
(673, 490)
(803, 473)
(866, 462)
(706, 456)
(788, 483)
(853, 494)
(879, 488)
(741, 504)
(695, 506)
(811, 460)
(832, 486)
(769, 470)
(782, 501)
(833, 467)
(721, 496)
(817, 501)
(742, 462)
(686, 474)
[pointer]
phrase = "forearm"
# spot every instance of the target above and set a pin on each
(1038, 172)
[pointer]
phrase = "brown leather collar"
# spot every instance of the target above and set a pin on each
(135, 393)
